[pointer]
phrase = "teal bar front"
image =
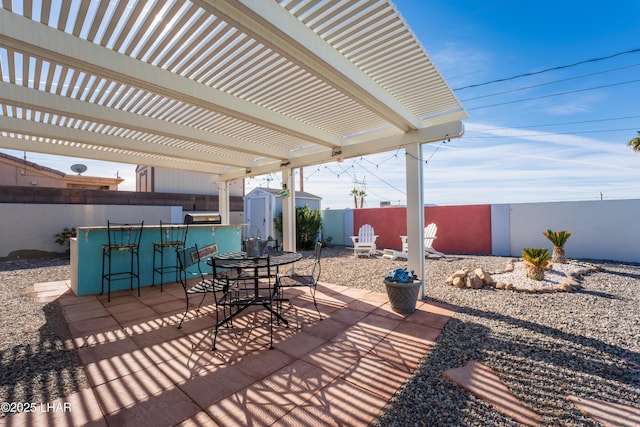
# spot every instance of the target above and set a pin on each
(86, 254)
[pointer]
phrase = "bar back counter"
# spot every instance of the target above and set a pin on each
(86, 253)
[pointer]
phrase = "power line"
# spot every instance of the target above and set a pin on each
(548, 83)
(384, 181)
(547, 52)
(554, 133)
(560, 67)
(554, 94)
(574, 123)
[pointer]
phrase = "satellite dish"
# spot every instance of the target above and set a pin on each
(79, 168)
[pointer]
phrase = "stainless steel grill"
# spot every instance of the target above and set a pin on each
(203, 218)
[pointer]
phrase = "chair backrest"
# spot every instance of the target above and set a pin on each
(187, 257)
(430, 232)
(124, 235)
(366, 234)
(189, 260)
(173, 233)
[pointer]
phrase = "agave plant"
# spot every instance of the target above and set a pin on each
(558, 238)
(537, 261)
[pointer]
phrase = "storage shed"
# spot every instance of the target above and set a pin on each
(263, 205)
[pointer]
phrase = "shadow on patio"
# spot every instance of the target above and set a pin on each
(144, 371)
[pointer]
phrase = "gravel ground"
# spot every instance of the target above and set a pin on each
(38, 361)
(544, 346)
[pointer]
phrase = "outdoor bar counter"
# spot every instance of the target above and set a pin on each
(86, 254)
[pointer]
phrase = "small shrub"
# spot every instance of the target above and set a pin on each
(558, 238)
(308, 222)
(536, 260)
(62, 238)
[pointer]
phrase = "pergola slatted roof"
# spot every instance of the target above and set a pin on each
(231, 88)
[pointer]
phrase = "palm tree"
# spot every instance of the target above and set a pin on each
(362, 194)
(537, 261)
(635, 143)
(558, 238)
(355, 194)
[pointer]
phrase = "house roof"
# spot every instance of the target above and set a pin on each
(77, 179)
(231, 88)
(31, 164)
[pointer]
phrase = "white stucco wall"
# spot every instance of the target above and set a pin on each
(32, 226)
(605, 229)
(602, 229)
(500, 238)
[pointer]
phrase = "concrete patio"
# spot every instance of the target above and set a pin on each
(341, 370)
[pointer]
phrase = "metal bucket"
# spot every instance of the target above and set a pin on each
(255, 246)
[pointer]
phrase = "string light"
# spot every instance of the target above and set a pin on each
(350, 170)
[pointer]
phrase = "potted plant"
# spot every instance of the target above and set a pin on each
(558, 238)
(402, 289)
(537, 261)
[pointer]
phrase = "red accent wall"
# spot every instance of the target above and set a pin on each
(461, 229)
(388, 223)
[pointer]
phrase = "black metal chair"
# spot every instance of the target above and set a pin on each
(249, 282)
(304, 280)
(189, 261)
(172, 238)
(121, 238)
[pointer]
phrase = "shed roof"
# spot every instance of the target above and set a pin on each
(232, 88)
(275, 192)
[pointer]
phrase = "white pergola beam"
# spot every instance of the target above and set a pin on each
(80, 151)
(55, 104)
(98, 140)
(425, 135)
(27, 36)
(284, 33)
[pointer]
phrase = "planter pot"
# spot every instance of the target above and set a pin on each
(403, 296)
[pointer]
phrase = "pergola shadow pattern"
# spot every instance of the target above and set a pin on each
(144, 371)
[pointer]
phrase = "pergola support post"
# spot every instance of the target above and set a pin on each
(288, 196)
(223, 201)
(415, 211)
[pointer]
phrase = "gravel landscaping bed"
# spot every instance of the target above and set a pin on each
(544, 346)
(38, 361)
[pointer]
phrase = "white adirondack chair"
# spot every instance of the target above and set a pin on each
(365, 242)
(430, 232)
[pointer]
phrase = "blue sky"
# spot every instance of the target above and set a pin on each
(549, 136)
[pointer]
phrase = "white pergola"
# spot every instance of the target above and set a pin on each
(231, 88)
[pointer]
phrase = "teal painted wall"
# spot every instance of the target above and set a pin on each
(86, 254)
(333, 226)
